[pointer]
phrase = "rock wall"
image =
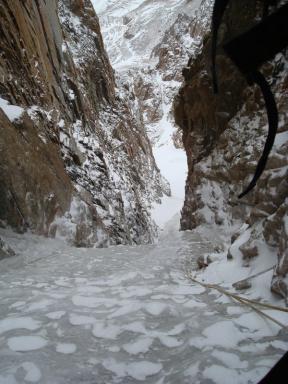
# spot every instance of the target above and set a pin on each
(74, 154)
(224, 136)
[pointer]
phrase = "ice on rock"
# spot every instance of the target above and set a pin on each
(193, 304)
(136, 292)
(137, 370)
(62, 282)
(257, 326)
(170, 342)
(234, 310)
(143, 369)
(224, 333)
(8, 379)
(177, 330)
(55, 315)
(125, 309)
(119, 369)
(66, 348)
(81, 320)
(136, 327)
(155, 309)
(12, 323)
(231, 360)
(26, 343)
(33, 373)
(267, 362)
(102, 331)
(160, 297)
(18, 304)
(39, 305)
(222, 375)
(278, 344)
(84, 301)
(192, 370)
(189, 290)
(90, 289)
(114, 349)
(141, 345)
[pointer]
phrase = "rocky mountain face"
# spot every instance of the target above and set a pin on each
(224, 137)
(142, 40)
(74, 154)
(132, 29)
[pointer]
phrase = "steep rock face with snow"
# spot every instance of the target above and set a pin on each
(142, 40)
(223, 137)
(132, 29)
(75, 158)
(148, 43)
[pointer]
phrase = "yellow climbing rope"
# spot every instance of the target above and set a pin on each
(250, 303)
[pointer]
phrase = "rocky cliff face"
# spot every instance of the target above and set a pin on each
(151, 46)
(74, 155)
(223, 137)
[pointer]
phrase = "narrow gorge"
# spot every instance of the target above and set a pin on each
(126, 255)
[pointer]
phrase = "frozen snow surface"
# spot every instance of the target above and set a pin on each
(125, 315)
(173, 165)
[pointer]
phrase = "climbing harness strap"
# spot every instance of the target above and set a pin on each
(217, 16)
(249, 51)
(272, 114)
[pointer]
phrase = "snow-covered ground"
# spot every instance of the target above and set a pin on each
(125, 315)
(172, 163)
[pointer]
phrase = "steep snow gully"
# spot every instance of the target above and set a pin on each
(128, 314)
(124, 315)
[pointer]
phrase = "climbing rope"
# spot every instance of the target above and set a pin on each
(250, 303)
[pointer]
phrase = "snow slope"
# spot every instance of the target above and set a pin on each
(172, 163)
(131, 31)
(125, 315)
